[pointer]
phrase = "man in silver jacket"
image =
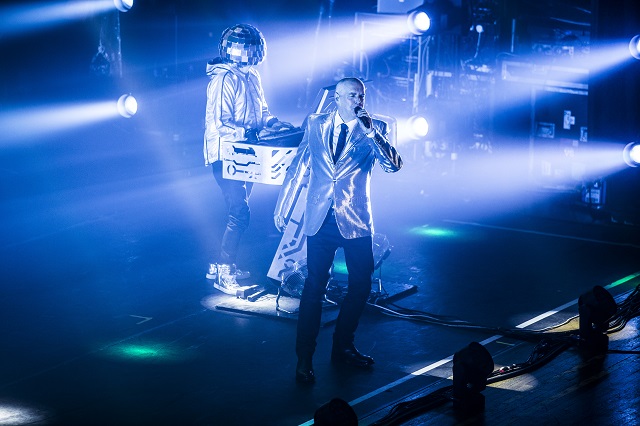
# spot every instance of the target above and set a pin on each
(337, 214)
(236, 111)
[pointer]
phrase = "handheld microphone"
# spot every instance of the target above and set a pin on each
(365, 120)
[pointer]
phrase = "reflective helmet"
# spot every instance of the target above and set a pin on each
(243, 44)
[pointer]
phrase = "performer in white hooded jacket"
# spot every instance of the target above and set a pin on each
(236, 111)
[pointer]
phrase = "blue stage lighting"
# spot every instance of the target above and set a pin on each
(419, 22)
(634, 46)
(127, 106)
(631, 154)
(123, 5)
(418, 127)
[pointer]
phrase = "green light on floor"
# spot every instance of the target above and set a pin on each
(339, 268)
(134, 351)
(623, 280)
(429, 231)
(151, 352)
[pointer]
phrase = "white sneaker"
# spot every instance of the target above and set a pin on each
(212, 273)
(225, 280)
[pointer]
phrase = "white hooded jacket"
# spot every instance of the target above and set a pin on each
(235, 103)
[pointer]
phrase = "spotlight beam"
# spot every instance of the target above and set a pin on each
(18, 20)
(28, 123)
(292, 59)
(565, 74)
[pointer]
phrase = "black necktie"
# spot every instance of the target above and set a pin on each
(342, 139)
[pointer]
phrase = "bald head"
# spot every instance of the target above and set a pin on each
(348, 81)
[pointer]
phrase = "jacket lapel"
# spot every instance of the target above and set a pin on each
(351, 142)
(326, 129)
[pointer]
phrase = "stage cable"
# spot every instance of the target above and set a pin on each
(627, 310)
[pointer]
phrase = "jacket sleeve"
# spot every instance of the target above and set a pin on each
(219, 120)
(294, 178)
(385, 153)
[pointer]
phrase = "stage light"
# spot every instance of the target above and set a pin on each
(434, 16)
(595, 309)
(471, 368)
(127, 106)
(419, 22)
(335, 412)
(123, 5)
(634, 47)
(418, 127)
(292, 279)
(631, 154)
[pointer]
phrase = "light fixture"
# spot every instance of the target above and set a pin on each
(471, 368)
(634, 46)
(595, 309)
(419, 21)
(434, 16)
(127, 106)
(123, 5)
(631, 154)
(417, 126)
(335, 412)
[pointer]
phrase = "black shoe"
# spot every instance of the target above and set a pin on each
(304, 372)
(351, 356)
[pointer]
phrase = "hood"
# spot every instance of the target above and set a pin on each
(216, 66)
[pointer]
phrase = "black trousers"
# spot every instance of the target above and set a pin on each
(321, 250)
(236, 197)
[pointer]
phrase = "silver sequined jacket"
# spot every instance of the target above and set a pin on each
(346, 184)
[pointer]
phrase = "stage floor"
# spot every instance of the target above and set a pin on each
(107, 317)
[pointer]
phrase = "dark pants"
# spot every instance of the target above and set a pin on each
(321, 250)
(236, 197)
